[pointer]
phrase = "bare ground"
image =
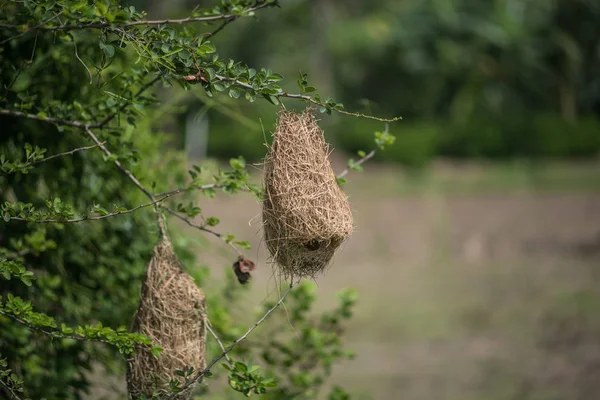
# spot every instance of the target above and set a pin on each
(455, 288)
(474, 283)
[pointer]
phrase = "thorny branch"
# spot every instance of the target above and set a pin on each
(50, 120)
(28, 30)
(106, 120)
(214, 335)
(101, 25)
(305, 97)
(201, 227)
(66, 153)
(198, 187)
(237, 341)
(94, 218)
(50, 333)
(10, 390)
(359, 162)
(79, 58)
(132, 178)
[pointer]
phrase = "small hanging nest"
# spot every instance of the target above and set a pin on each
(172, 313)
(306, 216)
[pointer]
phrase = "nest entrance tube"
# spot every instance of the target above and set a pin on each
(172, 313)
(306, 216)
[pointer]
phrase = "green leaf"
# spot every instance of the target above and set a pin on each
(243, 244)
(271, 99)
(212, 221)
(234, 93)
(211, 73)
(209, 192)
(237, 163)
(108, 49)
(241, 367)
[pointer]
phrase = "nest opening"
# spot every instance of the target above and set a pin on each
(172, 313)
(306, 216)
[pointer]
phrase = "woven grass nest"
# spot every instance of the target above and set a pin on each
(172, 313)
(306, 216)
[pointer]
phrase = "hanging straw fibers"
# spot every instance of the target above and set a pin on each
(306, 216)
(172, 313)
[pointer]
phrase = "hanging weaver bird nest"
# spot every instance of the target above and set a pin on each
(306, 216)
(172, 313)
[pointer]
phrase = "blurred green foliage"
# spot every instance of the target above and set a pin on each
(471, 78)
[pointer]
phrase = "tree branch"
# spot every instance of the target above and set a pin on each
(80, 60)
(220, 28)
(50, 333)
(200, 374)
(10, 390)
(39, 26)
(307, 98)
(79, 124)
(201, 227)
(197, 187)
(106, 120)
(67, 221)
(50, 120)
(101, 25)
(214, 335)
(66, 153)
(132, 178)
(359, 162)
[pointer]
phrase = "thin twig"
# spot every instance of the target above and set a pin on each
(359, 162)
(34, 47)
(80, 60)
(7, 88)
(132, 178)
(220, 28)
(50, 120)
(364, 158)
(66, 153)
(214, 335)
(306, 98)
(50, 333)
(67, 221)
(200, 374)
(27, 30)
(106, 120)
(101, 25)
(10, 390)
(201, 227)
(197, 187)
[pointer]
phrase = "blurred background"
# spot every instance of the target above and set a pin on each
(477, 249)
